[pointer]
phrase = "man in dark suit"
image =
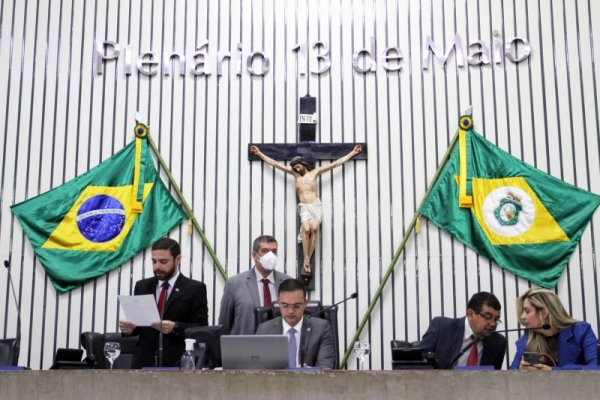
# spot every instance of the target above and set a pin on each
(245, 291)
(183, 302)
(313, 334)
(447, 336)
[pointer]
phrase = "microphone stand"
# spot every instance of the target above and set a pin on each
(468, 346)
(18, 339)
(464, 349)
(160, 337)
(304, 343)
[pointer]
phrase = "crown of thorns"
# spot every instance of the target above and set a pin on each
(299, 160)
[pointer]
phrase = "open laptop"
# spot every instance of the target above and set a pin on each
(254, 351)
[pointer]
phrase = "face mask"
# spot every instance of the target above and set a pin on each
(269, 261)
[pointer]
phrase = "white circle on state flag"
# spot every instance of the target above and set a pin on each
(508, 211)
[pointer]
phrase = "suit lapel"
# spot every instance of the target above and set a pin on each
(253, 287)
(180, 284)
(151, 288)
(277, 326)
(305, 340)
(458, 335)
(277, 278)
(567, 352)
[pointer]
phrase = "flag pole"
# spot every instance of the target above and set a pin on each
(186, 207)
(390, 269)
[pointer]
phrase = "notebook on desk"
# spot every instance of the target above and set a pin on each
(254, 352)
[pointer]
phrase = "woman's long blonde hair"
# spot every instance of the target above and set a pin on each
(558, 317)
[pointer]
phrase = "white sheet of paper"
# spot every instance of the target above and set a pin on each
(141, 310)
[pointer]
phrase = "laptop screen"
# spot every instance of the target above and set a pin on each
(254, 351)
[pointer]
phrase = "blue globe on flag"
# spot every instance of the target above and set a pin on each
(101, 218)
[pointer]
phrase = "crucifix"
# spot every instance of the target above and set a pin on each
(302, 156)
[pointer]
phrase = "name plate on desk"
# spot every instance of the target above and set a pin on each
(474, 368)
(12, 368)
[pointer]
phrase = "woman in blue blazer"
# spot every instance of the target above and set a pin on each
(567, 344)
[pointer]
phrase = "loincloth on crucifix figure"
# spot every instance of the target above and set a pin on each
(310, 213)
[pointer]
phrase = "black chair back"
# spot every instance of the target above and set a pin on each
(69, 359)
(409, 355)
(8, 353)
(400, 344)
(209, 355)
(127, 343)
(93, 343)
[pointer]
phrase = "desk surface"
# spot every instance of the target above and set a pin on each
(347, 385)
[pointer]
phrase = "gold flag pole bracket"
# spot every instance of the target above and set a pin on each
(407, 235)
(142, 131)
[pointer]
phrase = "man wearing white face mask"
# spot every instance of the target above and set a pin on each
(254, 288)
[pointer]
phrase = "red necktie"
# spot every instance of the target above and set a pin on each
(266, 292)
(473, 361)
(162, 298)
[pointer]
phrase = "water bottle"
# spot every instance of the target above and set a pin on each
(187, 359)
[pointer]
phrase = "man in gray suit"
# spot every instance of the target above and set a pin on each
(247, 290)
(313, 334)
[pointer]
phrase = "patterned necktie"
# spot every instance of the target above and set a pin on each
(162, 298)
(266, 292)
(473, 359)
(292, 348)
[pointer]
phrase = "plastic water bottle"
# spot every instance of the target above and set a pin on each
(187, 359)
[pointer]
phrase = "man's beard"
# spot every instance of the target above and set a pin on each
(167, 275)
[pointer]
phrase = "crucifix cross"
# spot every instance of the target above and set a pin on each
(303, 155)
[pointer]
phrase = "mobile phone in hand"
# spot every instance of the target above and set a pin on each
(531, 358)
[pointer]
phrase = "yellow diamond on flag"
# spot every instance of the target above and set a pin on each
(99, 220)
(509, 212)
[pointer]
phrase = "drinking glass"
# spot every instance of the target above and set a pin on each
(361, 349)
(112, 351)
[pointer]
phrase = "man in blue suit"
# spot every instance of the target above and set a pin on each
(447, 336)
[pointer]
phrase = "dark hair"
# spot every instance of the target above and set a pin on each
(291, 285)
(300, 160)
(262, 239)
(483, 298)
(167, 244)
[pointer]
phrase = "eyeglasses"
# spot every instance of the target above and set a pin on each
(490, 318)
(296, 306)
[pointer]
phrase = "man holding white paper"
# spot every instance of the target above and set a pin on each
(181, 301)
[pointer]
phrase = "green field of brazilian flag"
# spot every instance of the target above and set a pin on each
(92, 224)
(523, 219)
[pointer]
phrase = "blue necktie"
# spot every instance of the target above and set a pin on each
(292, 349)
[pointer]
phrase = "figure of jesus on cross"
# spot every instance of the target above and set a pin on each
(309, 204)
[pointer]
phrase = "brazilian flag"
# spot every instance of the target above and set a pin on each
(523, 219)
(92, 224)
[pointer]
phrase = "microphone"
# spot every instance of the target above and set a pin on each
(468, 346)
(18, 340)
(304, 342)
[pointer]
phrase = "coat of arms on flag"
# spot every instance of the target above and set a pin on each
(526, 221)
